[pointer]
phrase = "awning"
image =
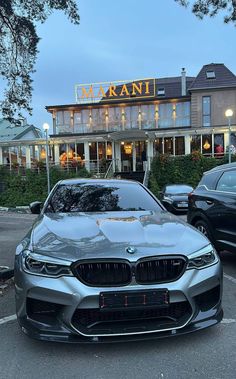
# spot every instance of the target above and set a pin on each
(128, 135)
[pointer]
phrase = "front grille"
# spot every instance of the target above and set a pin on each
(103, 273)
(119, 272)
(95, 321)
(160, 270)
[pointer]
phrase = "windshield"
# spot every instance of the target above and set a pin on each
(177, 190)
(101, 197)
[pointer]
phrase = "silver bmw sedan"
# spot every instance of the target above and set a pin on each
(104, 261)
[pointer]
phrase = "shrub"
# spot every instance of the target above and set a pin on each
(186, 169)
(22, 190)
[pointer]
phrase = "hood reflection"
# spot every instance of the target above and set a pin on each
(84, 235)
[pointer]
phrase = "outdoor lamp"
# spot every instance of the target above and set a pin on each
(46, 128)
(229, 113)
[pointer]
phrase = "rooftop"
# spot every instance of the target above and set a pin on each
(212, 76)
(10, 132)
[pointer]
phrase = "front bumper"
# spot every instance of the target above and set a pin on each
(66, 296)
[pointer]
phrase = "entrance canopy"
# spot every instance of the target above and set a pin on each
(132, 135)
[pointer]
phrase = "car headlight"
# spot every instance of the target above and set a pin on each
(203, 258)
(37, 264)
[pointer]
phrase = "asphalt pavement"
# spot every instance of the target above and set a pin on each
(206, 354)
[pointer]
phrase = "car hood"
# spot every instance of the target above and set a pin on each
(74, 236)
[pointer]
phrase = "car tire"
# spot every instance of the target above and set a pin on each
(204, 228)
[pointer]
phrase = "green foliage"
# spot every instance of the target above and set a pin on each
(18, 48)
(153, 185)
(22, 190)
(202, 8)
(186, 169)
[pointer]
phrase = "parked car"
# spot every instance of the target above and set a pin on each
(212, 206)
(104, 261)
(175, 197)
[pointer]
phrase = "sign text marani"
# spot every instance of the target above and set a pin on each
(115, 90)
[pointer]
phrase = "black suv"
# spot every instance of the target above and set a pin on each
(212, 206)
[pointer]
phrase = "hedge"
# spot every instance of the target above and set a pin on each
(186, 169)
(19, 188)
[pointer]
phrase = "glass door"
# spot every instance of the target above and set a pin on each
(141, 155)
(126, 149)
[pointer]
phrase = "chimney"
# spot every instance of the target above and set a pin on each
(183, 82)
(22, 121)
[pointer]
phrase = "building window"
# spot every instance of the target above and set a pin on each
(195, 143)
(233, 142)
(179, 146)
(98, 119)
(71, 155)
(78, 127)
(219, 145)
(86, 119)
(93, 151)
(161, 92)
(63, 122)
(109, 150)
(182, 114)
(168, 145)
(148, 116)
(210, 74)
(131, 117)
(126, 155)
(81, 121)
(206, 111)
(158, 149)
(206, 144)
(115, 118)
(165, 119)
(63, 154)
(101, 150)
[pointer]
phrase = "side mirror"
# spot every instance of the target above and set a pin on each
(35, 207)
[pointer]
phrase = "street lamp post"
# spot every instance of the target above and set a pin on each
(229, 113)
(46, 128)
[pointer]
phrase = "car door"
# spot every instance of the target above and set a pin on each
(225, 209)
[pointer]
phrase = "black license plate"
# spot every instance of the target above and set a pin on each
(134, 299)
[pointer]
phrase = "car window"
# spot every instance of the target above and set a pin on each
(103, 197)
(227, 182)
(209, 180)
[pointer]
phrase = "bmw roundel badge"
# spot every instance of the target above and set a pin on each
(131, 250)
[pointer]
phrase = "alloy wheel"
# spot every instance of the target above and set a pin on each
(202, 229)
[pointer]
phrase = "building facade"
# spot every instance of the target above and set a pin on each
(128, 123)
(15, 140)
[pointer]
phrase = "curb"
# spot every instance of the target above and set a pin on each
(18, 209)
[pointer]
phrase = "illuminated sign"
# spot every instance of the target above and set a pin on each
(99, 92)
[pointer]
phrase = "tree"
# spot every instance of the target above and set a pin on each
(202, 8)
(18, 48)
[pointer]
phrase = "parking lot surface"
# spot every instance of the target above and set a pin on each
(206, 354)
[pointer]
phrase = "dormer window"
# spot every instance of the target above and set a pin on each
(161, 92)
(210, 74)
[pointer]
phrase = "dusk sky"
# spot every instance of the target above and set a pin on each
(125, 39)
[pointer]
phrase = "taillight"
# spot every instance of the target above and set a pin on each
(190, 197)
